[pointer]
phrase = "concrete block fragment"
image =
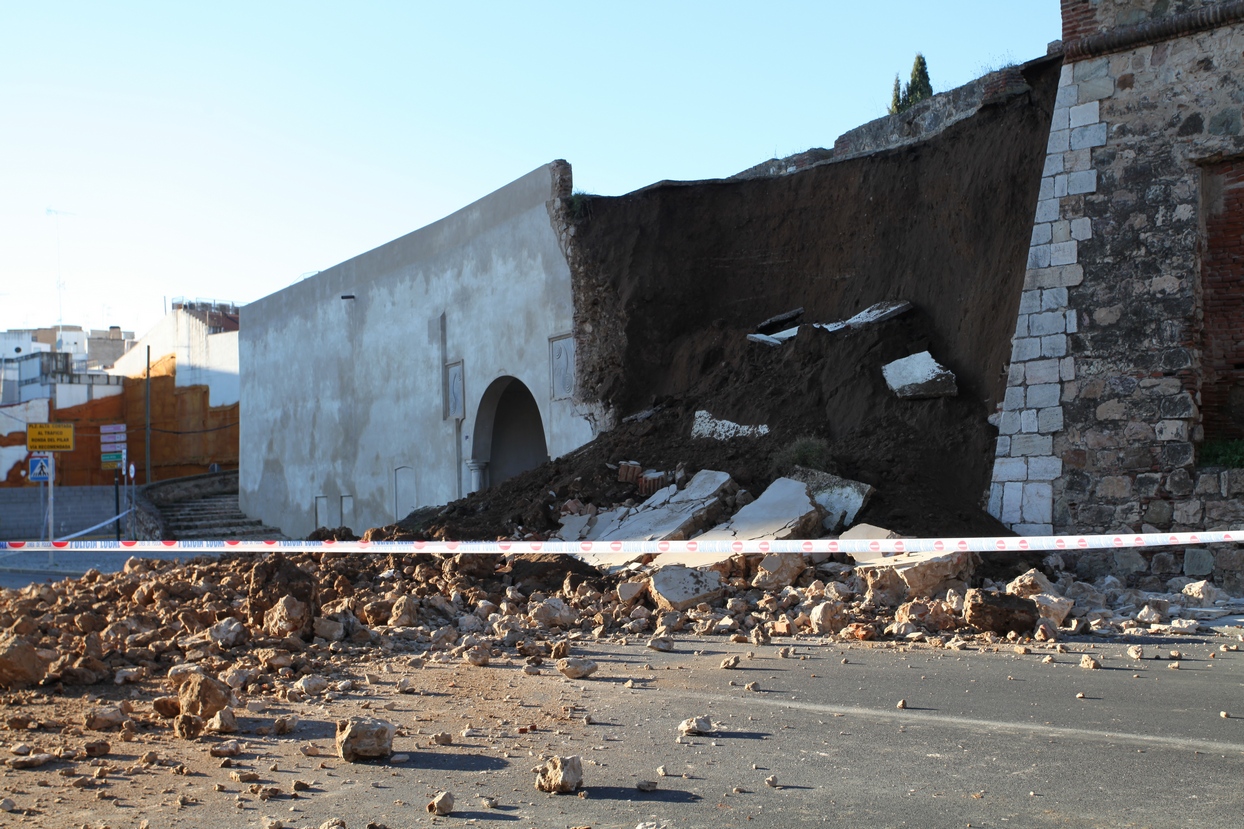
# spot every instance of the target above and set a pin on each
(1012, 503)
(1058, 142)
(1044, 469)
(764, 339)
(1030, 444)
(1054, 345)
(1082, 115)
(1167, 430)
(1010, 469)
(1047, 211)
(1088, 137)
(1063, 253)
(1025, 348)
(1038, 503)
(919, 376)
(841, 498)
(1054, 299)
(1030, 301)
(1041, 371)
(1094, 90)
(995, 500)
(1084, 181)
(1050, 420)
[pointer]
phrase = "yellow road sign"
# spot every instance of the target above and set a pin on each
(49, 437)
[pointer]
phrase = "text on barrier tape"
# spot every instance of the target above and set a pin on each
(824, 545)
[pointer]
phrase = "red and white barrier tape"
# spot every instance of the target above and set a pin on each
(825, 545)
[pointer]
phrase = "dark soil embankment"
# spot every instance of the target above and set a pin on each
(669, 280)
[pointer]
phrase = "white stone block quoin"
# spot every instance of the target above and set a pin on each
(1082, 115)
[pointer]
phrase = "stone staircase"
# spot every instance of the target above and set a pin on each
(214, 518)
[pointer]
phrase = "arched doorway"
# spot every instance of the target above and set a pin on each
(509, 434)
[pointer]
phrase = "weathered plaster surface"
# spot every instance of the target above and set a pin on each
(338, 395)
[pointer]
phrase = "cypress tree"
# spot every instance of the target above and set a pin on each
(919, 88)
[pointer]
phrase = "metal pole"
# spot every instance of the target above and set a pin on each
(148, 414)
(116, 500)
(51, 507)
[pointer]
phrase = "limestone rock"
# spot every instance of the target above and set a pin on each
(228, 633)
(20, 662)
(1203, 593)
(187, 726)
(103, 717)
(779, 570)
(1030, 584)
(927, 577)
(930, 614)
(329, 629)
(166, 707)
(828, 617)
(999, 612)
(271, 579)
(287, 617)
(202, 696)
(560, 774)
(223, 722)
(31, 761)
(477, 656)
(665, 644)
(919, 376)
(576, 668)
(312, 685)
(678, 588)
(405, 612)
(442, 804)
(1055, 608)
(695, 725)
(362, 738)
(885, 587)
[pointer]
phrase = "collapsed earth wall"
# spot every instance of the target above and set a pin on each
(661, 272)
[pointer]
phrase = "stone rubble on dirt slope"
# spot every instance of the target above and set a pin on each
(919, 376)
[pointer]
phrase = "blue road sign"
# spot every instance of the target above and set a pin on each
(40, 470)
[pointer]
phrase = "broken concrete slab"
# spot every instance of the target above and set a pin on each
(841, 498)
(878, 312)
(779, 321)
(763, 338)
(707, 426)
(678, 588)
(669, 514)
(785, 510)
(919, 376)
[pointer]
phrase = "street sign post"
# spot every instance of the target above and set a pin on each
(112, 445)
(49, 437)
(40, 469)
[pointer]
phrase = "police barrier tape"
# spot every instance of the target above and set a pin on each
(824, 545)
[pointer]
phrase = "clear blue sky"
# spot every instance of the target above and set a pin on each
(221, 150)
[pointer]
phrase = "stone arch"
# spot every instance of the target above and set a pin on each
(509, 433)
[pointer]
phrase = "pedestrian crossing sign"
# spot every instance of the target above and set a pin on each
(40, 470)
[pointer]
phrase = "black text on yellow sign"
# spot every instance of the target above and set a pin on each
(49, 437)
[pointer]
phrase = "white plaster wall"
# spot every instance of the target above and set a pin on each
(202, 359)
(14, 419)
(337, 394)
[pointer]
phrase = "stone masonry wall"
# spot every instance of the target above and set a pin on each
(1103, 413)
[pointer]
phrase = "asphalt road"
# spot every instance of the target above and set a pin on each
(986, 740)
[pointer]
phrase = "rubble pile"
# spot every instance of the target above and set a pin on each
(203, 643)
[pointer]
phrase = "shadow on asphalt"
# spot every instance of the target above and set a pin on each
(624, 793)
